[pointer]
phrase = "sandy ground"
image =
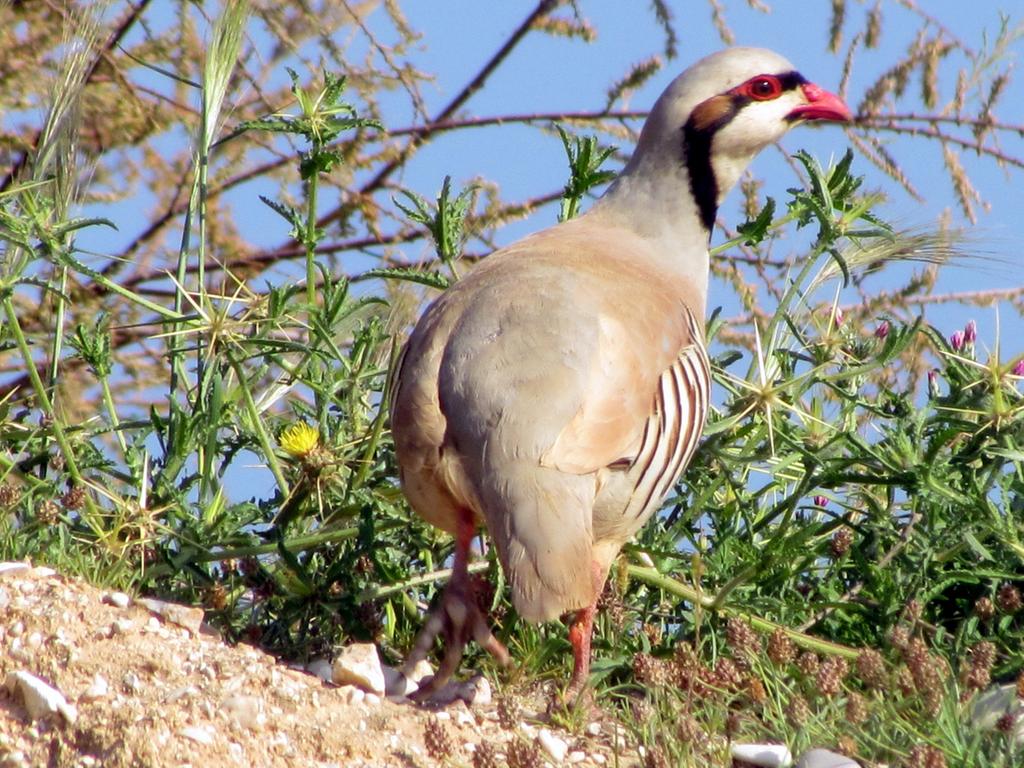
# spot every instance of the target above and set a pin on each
(143, 689)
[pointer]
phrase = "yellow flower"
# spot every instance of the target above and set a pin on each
(299, 440)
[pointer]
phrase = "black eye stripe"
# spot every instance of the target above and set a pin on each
(791, 80)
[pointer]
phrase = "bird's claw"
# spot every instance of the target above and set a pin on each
(457, 619)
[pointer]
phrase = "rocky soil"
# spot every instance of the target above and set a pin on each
(94, 678)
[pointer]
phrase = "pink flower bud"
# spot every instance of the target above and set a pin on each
(933, 382)
(970, 332)
(882, 330)
(839, 316)
(820, 501)
(956, 341)
(1018, 368)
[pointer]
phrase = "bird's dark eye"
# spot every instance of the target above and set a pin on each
(762, 87)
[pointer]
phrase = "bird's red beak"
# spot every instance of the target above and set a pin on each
(821, 105)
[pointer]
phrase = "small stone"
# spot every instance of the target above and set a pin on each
(443, 715)
(598, 759)
(372, 699)
(462, 717)
(553, 745)
(131, 682)
(10, 569)
(182, 615)
(351, 695)
(768, 755)
(200, 735)
(577, 756)
(43, 572)
(476, 691)
(120, 626)
(358, 664)
(594, 729)
(117, 599)
(824, 758)
(98, 689)
(246, 711)
(40, 698)
(320, 668)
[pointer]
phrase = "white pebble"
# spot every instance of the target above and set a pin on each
(98, 689)
(359, 664)
(40, 698)
(372, 699)
(553, 745)
(767, 755)
(476, 691)
(594, 729)
(9, 569)
(823, 758)
(117, 599)
(198, 734)
(577, 756)
(320, 668)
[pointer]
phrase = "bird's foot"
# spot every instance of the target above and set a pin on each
(456, 620)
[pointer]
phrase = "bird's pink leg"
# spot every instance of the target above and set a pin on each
(580, 633)
(457, 618)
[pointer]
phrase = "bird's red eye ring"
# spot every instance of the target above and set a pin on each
(762, 88)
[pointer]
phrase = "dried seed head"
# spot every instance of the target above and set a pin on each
(47, 512)
(830, 676)
(742, 640)
(727, 675)
(923, 756)
(216, 597)
(650, 670)
(846, 745)
(984, 609)
(899, 637)
(689, 731)
(780, 648)
(1008, 598)
(654, 757)
(756, 691)
(57, 462)
(510, 711)
(9, 495)
(841, 542)
(977, 675)
(905, 681)
(856, 709)
(73, 498)
(485, 756)
(436, 739)
(1005, 724)
(808, 663)
(871, 669)
(653, 633)
(732, 725)
(524, 754)
(797, 711)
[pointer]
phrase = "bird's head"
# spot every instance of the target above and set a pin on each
(723, 110)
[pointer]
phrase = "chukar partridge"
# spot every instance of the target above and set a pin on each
(555, 394)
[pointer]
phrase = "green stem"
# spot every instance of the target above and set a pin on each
(655, 579)
(44, 400)
(442, 574)
(257, 426)
(58, 329)
(310, 240)
(115, 423)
